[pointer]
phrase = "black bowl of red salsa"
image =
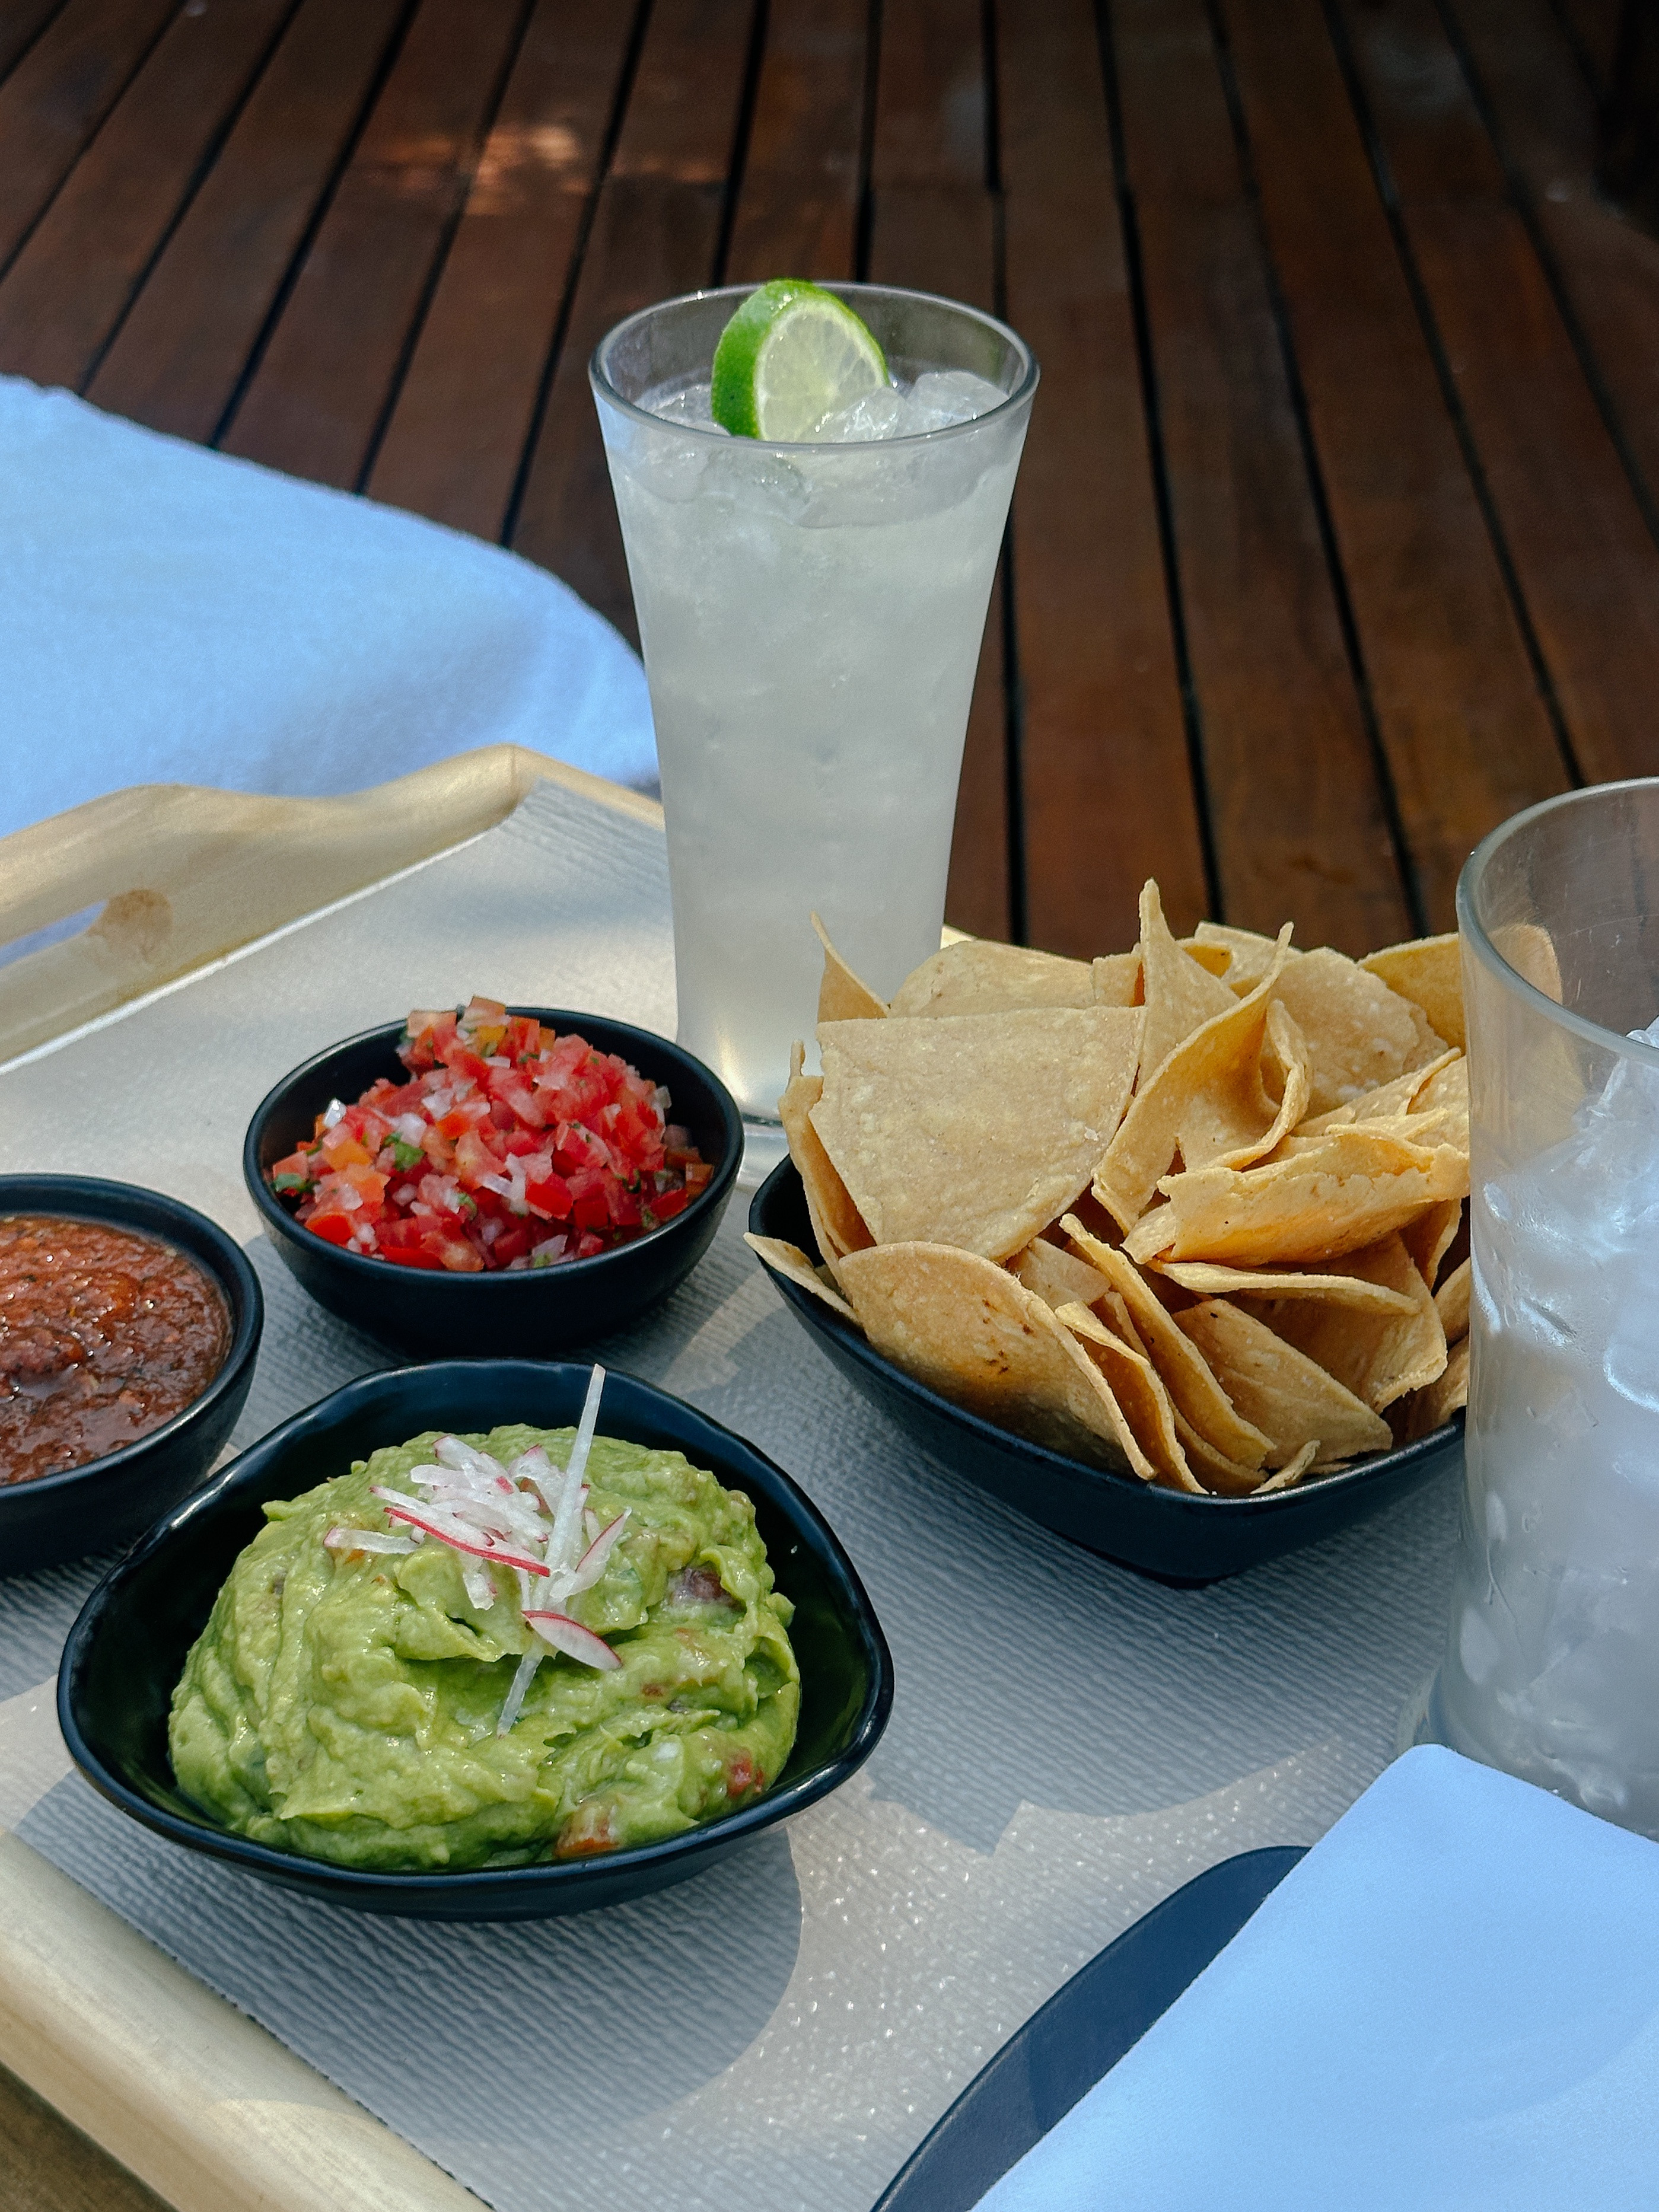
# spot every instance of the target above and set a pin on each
(129, 1324)
(508, 1182)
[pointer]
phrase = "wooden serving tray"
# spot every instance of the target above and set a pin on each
(200, 2102)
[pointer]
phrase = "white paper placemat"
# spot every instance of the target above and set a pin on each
(1069, 1743)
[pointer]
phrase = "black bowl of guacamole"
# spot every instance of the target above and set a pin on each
(128, 1650)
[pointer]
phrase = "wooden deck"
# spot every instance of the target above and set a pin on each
(1335, 538)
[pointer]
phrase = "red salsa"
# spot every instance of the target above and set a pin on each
(509, 1147)
(103, 1335)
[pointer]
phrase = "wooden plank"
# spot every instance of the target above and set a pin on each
(22, 22)
(57, 95)
(178, 357)
(797, 209)
(1297, 815)
(318, 396)
(1607, 268)
(47, 2165)
(457, 432)
(1465, 734)
(933, 228)
(67, 289)
(1107, 791)
(656, 232)
(1588, 566)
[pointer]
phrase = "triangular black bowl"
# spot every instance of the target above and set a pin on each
(1167, 1533)
(127, 1649)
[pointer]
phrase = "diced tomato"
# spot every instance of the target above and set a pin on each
(551, 1195)
(591, 1132)
(521, 1040)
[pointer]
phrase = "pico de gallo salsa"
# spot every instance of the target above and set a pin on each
(509, 1147)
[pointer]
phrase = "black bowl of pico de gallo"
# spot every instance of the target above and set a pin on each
(495, 1182)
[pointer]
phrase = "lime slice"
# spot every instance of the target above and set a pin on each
(791, 355)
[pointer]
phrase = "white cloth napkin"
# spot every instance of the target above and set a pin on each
(170, 615)
(1452, 2001)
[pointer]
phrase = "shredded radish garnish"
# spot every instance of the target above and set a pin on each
(480, 1583)
(574, 1640)
(456, 1533)
(561, 1545)
(590, 1565)
(512, 1705)
(367, 1540)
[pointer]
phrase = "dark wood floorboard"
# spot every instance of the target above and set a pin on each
(656, 232)
(933, 228)
(1299, 818)
(1107, 794)
(1586, 564)
(318, 399)
(796, 213)
(64, 295)
(1337, 537)
(52, 102)
(1466, 732)
(179, 358)
(458, 430)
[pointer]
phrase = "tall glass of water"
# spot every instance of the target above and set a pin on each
(1551, 1667)
(811, 617)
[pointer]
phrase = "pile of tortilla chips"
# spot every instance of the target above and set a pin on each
(1195, 1211)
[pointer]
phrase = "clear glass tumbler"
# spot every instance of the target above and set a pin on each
(811, 617)
(1551, 1667)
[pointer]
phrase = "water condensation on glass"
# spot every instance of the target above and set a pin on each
(1554, 1665)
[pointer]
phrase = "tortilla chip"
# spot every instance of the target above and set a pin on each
(1379, 1355)
(837, 1225)
(973, 1129)
(1196, 1391)
(1058, 1277)
(1117, 979)
(1429, 972)
(1288, 1396)
(1334, 1286)
(978, 977)
(1352, 1187)
(788, 1259)
(1134, 1381)
(1246, 956)
(1293, 1471)
(967, 1329)
(1224, 1125)
(1208, 1083)
(1180, 996)
(1451, 1302)
(1449, 1395)
(1445, 1098)
(1431, 1236)
(1225, 1477)
(1384, 1103)
(1360, 1033)
(841, 996)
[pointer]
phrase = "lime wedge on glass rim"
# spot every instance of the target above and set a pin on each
(792, 353)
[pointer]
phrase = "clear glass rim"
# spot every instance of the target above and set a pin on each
(604, 388)
(1475, 935)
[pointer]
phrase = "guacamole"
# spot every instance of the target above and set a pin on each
(345, 1703)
